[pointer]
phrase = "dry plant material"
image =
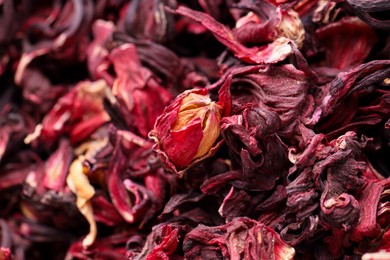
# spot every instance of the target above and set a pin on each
(201, 129)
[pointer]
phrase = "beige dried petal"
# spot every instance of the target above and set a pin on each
(91, 148)
(95, 89)
(211, 130)
(87, 211)
(291, 27)
(251, 17)
(382, 255)
(79, 184)
(286, 253)
(194, 107)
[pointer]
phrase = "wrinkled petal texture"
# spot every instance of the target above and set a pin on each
(203, 129)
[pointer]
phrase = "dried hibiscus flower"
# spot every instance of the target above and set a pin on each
(204, 129)
(242, 238)
(188, 129)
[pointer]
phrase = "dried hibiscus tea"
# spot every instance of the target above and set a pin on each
(203, 129)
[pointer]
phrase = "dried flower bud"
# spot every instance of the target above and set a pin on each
(188, 129)
(197, 107)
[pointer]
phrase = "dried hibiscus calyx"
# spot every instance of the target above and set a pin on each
(242, 238)
(139, 96)
(189, 128)
(255, 148)
(349, 39)
(79, 113)
(204, 129)
(258, 28)
(274, 52)
(149, 19)
(374, 12)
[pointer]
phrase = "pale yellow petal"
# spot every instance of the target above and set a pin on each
(79, 184)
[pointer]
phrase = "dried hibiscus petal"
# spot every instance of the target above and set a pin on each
(79, 184)
(273, 53)
(208, 129)
(139, 95)
(242, 238)
(349, 39)
(79, 113)
(374, 12)
(281, 23)
(150, 20)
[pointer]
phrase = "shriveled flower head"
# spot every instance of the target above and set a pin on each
(189, 128)
(197, 108)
